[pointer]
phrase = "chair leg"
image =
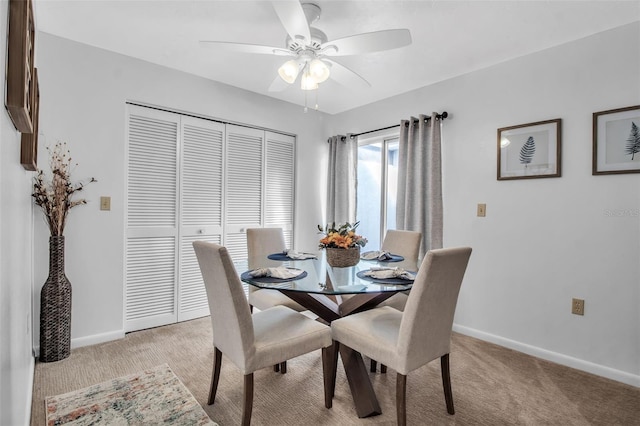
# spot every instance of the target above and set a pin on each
(374, 365)
(327, 371)
(334, 366)
(248, 399)
(282, 367)
(401, 399)
(215, 377)
(446, 383)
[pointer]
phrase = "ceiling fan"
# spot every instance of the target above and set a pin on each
(310, 49)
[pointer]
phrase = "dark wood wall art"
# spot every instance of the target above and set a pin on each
(29, 141)
(23, 93)
(531, 150)
(20, 52)
(616, 141)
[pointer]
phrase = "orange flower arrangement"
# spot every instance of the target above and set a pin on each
(344, 236)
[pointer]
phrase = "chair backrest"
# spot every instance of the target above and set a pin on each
(230, 314)
(404, 243)
(425, 330)
(262, 242)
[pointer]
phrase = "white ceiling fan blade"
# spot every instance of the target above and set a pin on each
(376, 41)
(346, 76)
(245, 48)
(293, 18)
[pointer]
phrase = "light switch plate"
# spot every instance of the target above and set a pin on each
(482, 210)
(105, 203)
(577, 306)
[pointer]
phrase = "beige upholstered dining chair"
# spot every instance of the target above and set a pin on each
(408, 340)
(262, 242)
(404, 243)
(254, 341)
(407, 245)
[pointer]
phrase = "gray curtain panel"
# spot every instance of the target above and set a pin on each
(419, 203)
(342, 179)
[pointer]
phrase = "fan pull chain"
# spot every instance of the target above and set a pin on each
(305, 102)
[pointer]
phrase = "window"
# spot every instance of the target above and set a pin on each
(377, 187)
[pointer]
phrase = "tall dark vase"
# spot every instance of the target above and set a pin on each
(55, 307)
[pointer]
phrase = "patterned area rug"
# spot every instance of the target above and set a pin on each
(154, 396)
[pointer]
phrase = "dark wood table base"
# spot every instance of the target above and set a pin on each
(364, 398)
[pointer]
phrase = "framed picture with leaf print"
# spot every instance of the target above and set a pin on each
(529, 151)
(616, 141)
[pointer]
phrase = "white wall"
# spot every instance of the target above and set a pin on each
(83, 95)
(543, 241)
(16, 252)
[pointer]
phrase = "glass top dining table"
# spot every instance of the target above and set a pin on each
(321, 278)
(332, 293)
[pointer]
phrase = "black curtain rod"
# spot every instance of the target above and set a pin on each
(442, 116)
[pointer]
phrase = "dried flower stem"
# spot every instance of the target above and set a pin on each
(54, 195)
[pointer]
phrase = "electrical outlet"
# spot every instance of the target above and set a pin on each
(105, 203)
(577, 306)
(482, 210)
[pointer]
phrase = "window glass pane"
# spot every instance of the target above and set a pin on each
(369, 193)
(392, 182)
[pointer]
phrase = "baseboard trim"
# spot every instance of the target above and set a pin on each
(96, 338)
(578, 364)
(32, 372)
(90, 340)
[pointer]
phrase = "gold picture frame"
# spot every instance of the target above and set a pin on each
(20, 54)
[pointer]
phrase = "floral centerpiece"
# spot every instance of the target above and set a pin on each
(53, 194)
(341, 243)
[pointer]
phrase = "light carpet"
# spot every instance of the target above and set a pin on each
(492, 385)
(153, 396)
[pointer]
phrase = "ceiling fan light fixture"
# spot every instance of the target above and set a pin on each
(307, 82)
(312, 50)
(289, 71)
(319, 70)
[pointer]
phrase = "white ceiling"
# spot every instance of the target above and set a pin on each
(450, 38)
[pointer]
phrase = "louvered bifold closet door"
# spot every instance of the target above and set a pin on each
(244, 196)
(151, 222)
(201, 210)
(280, 184)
